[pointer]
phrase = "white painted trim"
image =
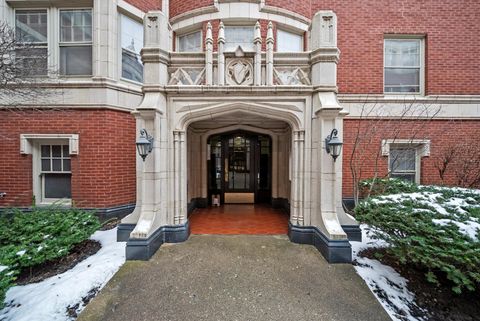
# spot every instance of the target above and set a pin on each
(130, 10)
(28, 140)
(421, 146)
(240, 11)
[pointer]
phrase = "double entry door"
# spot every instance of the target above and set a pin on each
(239, 168)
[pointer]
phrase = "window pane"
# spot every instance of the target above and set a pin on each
(66, 165)
(402, 80)
(76, 25)
(66, 152)
(56, 150)
(46, 165)
(31, 62)
(402, 159)
(45, 150)
(132, 67)
(132, 35)
(76, 60)
(190, 43)
(57, 165)
(57, 186)
(402, 53)
(31, 26)
(132, 44)
(405, 177)
(289, 42)
(239, 36)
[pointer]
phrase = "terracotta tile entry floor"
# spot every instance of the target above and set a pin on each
(239, 219)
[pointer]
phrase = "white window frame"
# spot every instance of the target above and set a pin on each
(74, 44)
(30, 144)
(49, 23)
(293, 33)
(421, 147)
(177, 40)
(43, 198)
(120, 49)
(421, 40)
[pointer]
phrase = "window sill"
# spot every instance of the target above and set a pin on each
(131, 82)
(67, 203)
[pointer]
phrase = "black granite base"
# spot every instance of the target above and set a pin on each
(143, 249)
(334, 251)
(354, 232)
(103, 214)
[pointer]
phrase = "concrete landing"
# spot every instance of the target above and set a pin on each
(235, 278)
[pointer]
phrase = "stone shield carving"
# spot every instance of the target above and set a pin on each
(239, 72)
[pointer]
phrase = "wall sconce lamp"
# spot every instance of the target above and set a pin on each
(333, 144)
(144, 144)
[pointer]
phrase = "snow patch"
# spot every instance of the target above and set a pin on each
(21, 253)
(389, 287)
(3, 268)
(467, 228)
(49, 299)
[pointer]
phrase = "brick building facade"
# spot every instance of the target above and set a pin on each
(214, 75)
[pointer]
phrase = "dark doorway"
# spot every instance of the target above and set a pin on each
(239, 168)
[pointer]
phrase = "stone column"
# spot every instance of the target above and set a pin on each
(151, 222)
(221, 56)
(105, 51)
(257, 41)
(269, 60)
(209, 55)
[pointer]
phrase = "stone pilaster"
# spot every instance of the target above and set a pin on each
(221, 56)
(209, 55)
(269, 60)
(257, 65)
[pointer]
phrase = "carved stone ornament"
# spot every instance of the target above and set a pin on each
(239, 72)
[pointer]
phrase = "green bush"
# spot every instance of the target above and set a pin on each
(428, 227)
(384, 186)
(29, 239)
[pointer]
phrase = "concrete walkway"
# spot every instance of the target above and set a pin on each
(235, 278)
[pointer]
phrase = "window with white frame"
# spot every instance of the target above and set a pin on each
(75, 41)
(404, 157)
(191, 42)
(403, 70)
(239, 36)
(55, 172)
(403, 163)
(31, 33)
(132, 43)
(289, 42)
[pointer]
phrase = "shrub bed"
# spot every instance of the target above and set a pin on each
(433, 228)
(39, 236)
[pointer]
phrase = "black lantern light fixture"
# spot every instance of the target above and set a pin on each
(333, 144)
(144, 144)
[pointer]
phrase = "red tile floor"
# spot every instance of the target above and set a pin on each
(239, 219)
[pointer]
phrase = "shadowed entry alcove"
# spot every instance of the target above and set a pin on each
(239, 168)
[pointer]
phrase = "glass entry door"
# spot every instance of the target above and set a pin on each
(239, 168)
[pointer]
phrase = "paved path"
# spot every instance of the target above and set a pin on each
(235, 278)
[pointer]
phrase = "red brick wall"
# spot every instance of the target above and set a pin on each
(146, 5)
(103, 173)
(441, 133)
(451, 38)
(181, 6)
(452, 41)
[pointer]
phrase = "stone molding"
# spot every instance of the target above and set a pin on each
(27, 140)
(422, 144)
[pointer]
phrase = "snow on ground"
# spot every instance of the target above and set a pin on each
(389, 287)
(48, 300)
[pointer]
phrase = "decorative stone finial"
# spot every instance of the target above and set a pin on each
(209, 37)
(221, 32)
(258, 34)
(270, 32)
